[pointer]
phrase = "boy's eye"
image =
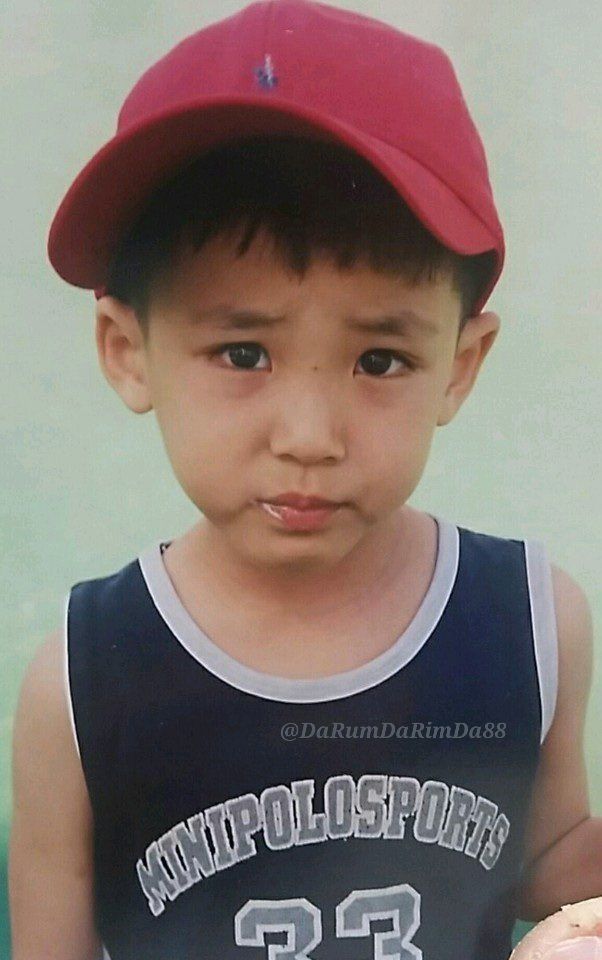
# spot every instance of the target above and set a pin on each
(379, 361)
(244, 356)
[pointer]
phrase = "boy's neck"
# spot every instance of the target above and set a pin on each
(391, 553)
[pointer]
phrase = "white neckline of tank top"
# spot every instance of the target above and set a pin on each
(291, 690)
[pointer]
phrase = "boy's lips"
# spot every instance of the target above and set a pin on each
(306, 518)
(300, 502)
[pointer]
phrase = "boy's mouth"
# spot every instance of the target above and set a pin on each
(295, 518)
(300, 502)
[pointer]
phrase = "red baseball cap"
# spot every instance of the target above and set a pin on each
(288, 67)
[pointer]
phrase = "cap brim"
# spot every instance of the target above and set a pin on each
(113, 187)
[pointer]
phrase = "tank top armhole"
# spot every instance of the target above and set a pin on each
(67, 683)
(544, 629)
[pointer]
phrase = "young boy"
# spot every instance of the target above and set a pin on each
(321, 723)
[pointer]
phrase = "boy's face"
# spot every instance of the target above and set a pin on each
(307, 406)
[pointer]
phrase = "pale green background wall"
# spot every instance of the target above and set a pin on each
(86, 484)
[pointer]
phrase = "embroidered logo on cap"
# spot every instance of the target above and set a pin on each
(265, 75)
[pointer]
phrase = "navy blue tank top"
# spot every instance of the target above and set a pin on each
(379, 812)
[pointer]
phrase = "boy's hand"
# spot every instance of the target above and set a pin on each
(50, 850)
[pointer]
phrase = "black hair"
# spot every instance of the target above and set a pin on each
(312, 196)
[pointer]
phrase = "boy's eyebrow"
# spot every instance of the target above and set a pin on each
(396, 324)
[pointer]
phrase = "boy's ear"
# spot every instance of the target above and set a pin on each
(473, 345)
(121, 353)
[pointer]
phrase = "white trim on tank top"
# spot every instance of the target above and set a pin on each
(318, 689)
(66, 682)
(543, 624)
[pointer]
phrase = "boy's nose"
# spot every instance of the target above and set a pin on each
(309, 423)
(308, 442)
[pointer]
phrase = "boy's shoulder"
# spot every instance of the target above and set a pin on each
(43, 679)
(560, 798)
(571, 618)
(52, 822)
(42, 712)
